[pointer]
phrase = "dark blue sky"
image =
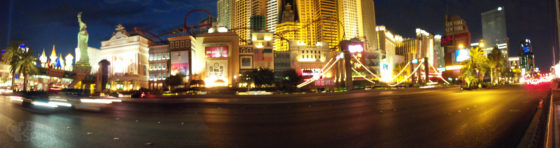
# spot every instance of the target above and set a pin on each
(42, 23)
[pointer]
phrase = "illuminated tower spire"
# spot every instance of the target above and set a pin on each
(43, 58)
(53, 57)
(69, 61)
(60, 62)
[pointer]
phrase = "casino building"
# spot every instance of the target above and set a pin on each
(456, 42)
(128, 57)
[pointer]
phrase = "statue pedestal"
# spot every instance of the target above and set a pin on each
(81, 74)
(82, 68)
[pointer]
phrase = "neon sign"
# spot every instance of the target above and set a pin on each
(356, 47)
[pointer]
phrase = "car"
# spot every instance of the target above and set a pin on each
(39, 99)
(139, 93)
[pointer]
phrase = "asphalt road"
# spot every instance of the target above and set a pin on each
(391, 118)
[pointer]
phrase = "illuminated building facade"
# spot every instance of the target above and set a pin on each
(241, 16)
(286, 31)
(350, 13)
(183, 50)
(307, 11)
(251, 57)
(272, 14)
(425, 46)
(456, 42)
(388, 43)
(439, 54)
(258, 8)
(224, 13)
(263, 54)
(258, 15)
(416, 48)
(369, 26)
(494, 30)
(128, 57)
(219, 64)
(369, 36)
(159, 66)
(527, 58)
(258, 23)
(309, 60)
(328, 29)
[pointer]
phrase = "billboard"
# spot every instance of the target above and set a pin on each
(462, 55)
(217, 52)
(179, 62)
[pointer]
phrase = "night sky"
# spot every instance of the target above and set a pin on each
(40, 23)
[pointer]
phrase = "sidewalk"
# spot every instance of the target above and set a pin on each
(554, 133)
(553, 124)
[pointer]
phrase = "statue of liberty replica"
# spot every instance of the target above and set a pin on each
(83, 64)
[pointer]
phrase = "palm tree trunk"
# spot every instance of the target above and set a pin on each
(25, 81)
(492, 75)
(13, 82)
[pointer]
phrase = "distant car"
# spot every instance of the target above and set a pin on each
(55, 89)
(139, 94)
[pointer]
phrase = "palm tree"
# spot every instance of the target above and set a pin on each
(474, 68)
(11, 57)
(495, 61)
(27, 66)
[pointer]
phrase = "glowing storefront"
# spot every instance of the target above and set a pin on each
(219, 65)
(128, 57)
